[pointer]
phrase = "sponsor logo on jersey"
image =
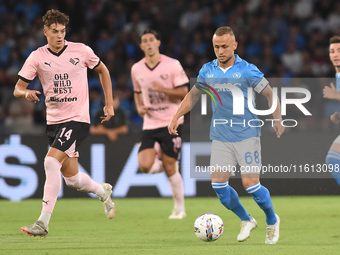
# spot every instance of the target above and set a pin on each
(74, 61)
(63, 100)
(49, 64)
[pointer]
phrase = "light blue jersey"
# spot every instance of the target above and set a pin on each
(337, 76)
(232, 121)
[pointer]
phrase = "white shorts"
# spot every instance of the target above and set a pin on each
(225, 156)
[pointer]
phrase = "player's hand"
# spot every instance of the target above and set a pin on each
(142, 110)
(329, 92)
(173, 125)
(335, 117)
(32, 95)
(157, 86)
(108, 113)
(278, 128)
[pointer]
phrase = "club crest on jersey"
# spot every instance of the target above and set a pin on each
(236, 75)
(164, 76)
(74, 61)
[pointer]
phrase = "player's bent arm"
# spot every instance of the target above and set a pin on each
(141, 109)
(20, 91)
(174, 93)
(268, 93)
(186, 105)
(105, 80)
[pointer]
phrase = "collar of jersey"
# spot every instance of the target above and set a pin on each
(60, 52)
(160, 60)
(238, 60)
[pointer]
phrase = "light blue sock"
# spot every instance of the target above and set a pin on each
(261, 196)
(229, 198)
(333, 158)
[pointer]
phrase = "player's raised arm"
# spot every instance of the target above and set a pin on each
(187, 104)
(279, 129)
(21, 90)
(105, 80)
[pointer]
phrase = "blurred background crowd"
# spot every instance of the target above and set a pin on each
(286, 39)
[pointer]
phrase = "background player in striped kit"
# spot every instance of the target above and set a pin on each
(235, 144)
(160, 84)
(62, 70)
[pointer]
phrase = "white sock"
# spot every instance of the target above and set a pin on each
(101, 192)
(157, 167)
(176, 185)
(45, 218)
(180, 208)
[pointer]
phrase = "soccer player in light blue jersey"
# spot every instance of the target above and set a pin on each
(333, 92)
(234, 141)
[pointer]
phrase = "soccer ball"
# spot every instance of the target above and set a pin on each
(208, 227)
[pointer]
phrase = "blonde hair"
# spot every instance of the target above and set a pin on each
(224, 30)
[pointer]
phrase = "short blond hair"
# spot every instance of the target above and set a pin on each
(224, 30)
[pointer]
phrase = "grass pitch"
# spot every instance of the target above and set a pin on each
(309, 225)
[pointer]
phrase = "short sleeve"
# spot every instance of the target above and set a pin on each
(180, 77)
(92, 60)
(136, 86)
(29, 70)
(201, 78)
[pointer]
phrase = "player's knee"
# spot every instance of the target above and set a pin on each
(51, 163)
(144, 166)
(144, 169)
(73, 182)
(170, 171)
(248, 182)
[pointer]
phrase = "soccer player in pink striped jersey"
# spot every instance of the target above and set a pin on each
(62, 69)
(160, 84)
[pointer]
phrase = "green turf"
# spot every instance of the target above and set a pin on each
(309, 225)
